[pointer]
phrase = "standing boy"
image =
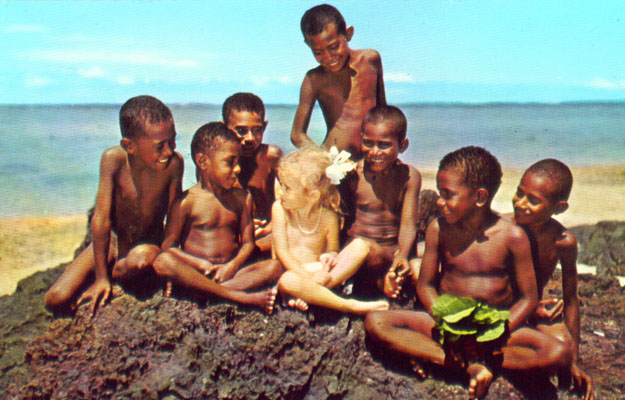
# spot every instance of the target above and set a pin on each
(212, 224)
(382, 199)
(347, 83)
(244, 113)
(481, 256)
(544, 191)
(138, 182)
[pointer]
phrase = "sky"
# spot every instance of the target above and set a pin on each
(203, 51)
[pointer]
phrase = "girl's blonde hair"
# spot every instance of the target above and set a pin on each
(308, 167)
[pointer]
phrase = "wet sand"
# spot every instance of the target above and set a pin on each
(28, 245)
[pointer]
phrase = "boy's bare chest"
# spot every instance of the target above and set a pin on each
(210, 214)
(378, 197)
(144, 194)
(483, 255)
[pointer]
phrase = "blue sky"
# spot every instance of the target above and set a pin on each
(196, 51)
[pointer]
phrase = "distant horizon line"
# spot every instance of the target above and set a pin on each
(416, 103)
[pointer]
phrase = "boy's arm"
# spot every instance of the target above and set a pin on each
(519, 247)
(246, 229)
(408, 222)
(280, 241)
(304, 110)
(380, 92)
(101, 228)
(427, 277)
(567, 251)
(175, 185)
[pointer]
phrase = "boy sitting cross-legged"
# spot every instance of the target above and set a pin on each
(472, 253)
(212, 224)
(138, 182)
(544, 191)
(381, 199)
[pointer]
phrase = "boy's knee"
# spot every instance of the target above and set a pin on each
(56, 298)
(560, 353)
(374, 322)
(163, 265)
(361, 245)
(143, 254)
(275, 269)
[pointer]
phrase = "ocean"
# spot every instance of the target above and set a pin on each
(50, 154)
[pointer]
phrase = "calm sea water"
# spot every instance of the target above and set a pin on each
(49, 155)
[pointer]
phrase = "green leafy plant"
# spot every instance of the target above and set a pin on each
(461, 316)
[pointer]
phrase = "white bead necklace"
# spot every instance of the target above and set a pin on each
(304, 231)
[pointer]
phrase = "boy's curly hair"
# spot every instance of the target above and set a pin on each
(317, 18)
(385, 113)
(209, 137)
(139, 111)
(558, 173)
(307, 166)
(480, 168)
(242, 102)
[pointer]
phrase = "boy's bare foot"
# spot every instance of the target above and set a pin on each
(364, 307)
(418, 368)
(265, 299)
(479, 380)
(392, 284)
(298, 303)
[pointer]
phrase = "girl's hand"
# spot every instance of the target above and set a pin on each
(328, 260)
(322, 277)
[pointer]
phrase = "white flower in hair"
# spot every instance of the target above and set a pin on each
(341, 165)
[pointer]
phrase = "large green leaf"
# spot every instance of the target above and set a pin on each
(461, 328)
(453, 308)
(491, 332)
(487, 315)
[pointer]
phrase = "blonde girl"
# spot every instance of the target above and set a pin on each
(306, 232)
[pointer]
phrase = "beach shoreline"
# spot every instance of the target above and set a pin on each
(35, 243)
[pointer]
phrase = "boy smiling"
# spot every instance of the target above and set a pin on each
(210, 231)
(138, 182)
(347, 83)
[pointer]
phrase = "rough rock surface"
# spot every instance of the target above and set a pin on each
(178, 349)
(602, 245)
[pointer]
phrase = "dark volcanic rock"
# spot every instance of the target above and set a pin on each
(178, 349)
(602, 245)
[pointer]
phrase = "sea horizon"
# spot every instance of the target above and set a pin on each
(53, 168)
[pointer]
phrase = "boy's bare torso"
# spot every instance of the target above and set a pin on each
(480, 267)
(547, 239)
(378, 201)
(212, 227)
(258, 175)
(346, 96)
(140, 201)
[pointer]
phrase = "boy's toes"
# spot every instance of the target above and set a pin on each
(271, 300)
(418, 369)
(392, 285)
(479, 381)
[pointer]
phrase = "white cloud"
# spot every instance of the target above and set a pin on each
(285, 79)
(602, 83)
(399, 77)
(23, 28)
(93, 72)
(264, 80)
(37, 81)
(94, 56)
(125, 80)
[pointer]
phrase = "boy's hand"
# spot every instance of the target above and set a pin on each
(207, 267)
(100, 289)
(582, 382)
(261, 227)
(550, 309)
(328, 260)
(400, 266)
(224, 272)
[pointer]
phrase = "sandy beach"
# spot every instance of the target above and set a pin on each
(28, 245)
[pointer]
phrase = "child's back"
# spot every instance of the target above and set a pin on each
(347, 83)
